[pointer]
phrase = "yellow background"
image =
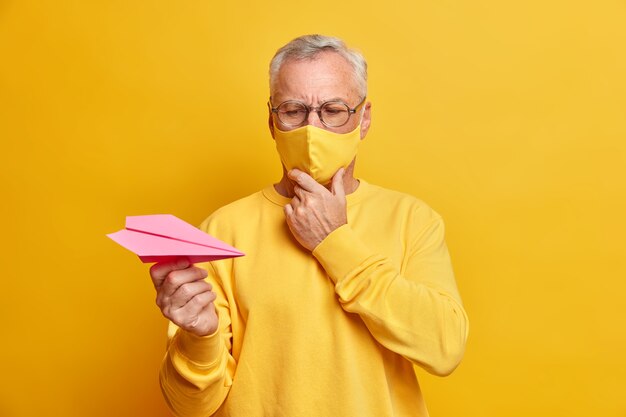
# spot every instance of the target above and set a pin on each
(507, 117)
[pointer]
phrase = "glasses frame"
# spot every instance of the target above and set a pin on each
(317, 110)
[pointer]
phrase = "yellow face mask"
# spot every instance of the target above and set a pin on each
(316, 151)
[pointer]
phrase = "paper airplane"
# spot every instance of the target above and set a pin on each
(164, 237)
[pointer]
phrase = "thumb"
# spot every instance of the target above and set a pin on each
(160, 270)
(337, 185)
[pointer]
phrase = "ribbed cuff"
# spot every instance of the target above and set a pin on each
(341, 253)
(202, 350)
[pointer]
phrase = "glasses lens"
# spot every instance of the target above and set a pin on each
(292, 113)
(335, 114)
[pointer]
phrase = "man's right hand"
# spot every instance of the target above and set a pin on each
(184, 297)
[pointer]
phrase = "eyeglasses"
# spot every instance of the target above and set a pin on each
(293, 113)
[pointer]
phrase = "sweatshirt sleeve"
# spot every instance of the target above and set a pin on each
(196, 373)
(417, 313)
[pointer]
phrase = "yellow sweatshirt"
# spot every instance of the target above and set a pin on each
(331, 333)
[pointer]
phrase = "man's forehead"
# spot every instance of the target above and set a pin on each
(327, 76)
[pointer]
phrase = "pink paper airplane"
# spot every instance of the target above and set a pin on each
(163, 237)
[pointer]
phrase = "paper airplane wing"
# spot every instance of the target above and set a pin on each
(163, 237)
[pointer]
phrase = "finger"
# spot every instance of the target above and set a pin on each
(199, 302)
(288, 210)
(299, 192)
(337, 185)
(159, 271)
(190, 311)
(175, 279)
(187, 291)
(295, 202)
(305, 181)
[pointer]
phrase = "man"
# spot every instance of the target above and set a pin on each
(344, 286)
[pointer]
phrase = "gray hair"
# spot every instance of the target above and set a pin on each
(309, 46)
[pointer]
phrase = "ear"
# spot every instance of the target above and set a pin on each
(367, 119)
(270, 120)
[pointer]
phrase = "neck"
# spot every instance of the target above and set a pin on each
(350, 184)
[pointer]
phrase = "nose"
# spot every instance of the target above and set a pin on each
(314, 119)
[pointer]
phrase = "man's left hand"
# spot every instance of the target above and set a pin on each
(314, 212)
